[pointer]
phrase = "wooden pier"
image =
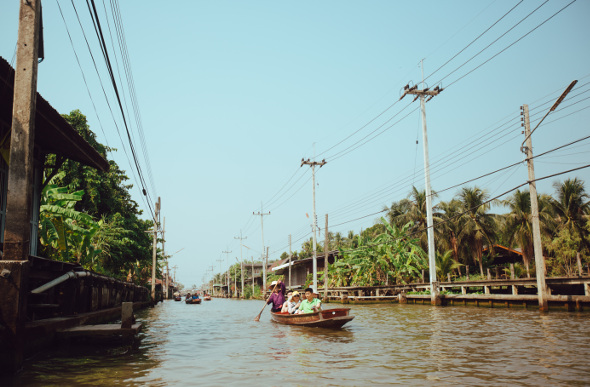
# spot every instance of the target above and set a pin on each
(565, 293)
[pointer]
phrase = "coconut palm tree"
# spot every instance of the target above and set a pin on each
(448, 229)
(478, 225)
(572, 208)
(518, 227)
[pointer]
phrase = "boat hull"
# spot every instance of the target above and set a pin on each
(193, 301)
(330, 318)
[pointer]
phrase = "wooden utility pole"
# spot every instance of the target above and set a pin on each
(155, 249)
(326, 249)
(315, 226)
(290, 258)
(17, 234)
(542, 290)
(434, 293)
(262, 214)
(241, 238)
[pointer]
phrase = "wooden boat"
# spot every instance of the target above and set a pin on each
(191, 301)
(207, 298)
(329, 318)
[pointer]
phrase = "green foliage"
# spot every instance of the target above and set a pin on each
(390, 257)
(117, 244)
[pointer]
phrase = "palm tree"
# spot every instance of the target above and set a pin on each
(572, 207)
(449, 228)
(518, 227)
(445, 264)
(478, 224)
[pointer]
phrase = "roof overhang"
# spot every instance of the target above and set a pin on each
(53, 134)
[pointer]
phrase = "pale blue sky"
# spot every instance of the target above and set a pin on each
(233, 94)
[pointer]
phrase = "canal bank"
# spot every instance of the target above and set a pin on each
(218, 343)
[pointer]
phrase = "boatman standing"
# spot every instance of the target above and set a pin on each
(277, 298)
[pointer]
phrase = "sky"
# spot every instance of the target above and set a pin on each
(232, 95)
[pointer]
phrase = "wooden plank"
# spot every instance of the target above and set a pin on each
(100, 330)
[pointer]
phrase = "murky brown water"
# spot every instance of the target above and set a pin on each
(218, 343)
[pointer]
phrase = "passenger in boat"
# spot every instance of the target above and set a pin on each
(294, 303)
(311, 303)
(277, 298)
(195, 296)
(285, 304)
(188, 297)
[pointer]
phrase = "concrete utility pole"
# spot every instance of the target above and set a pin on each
(252, 276)
(241, 261)
(315, 226)
(542, 290)
(14, 264)
(164, 255)
(290, 258)
(219, 260)
(434, 294)
(17, 234)
(155, 248)
(227, 272)
(262, 214)
(326, 249)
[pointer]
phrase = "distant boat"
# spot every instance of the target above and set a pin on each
(193, 301)
(177, 298)
(207, 298)
(329, 318)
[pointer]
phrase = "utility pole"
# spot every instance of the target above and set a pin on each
(235, 281)
(315, 226)
(290, 258)
(326, 249)
(17, 234)
(262, 214)
(241, 261)
(165, 257)
(540, 268)
(155, 248)
(220, 260)
(227, 273)
(434, 294)
(252, 276)
(265, 265)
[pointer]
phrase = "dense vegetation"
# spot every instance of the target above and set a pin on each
(88, 216)
(393, 250)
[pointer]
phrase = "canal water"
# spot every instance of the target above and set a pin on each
(217, 343)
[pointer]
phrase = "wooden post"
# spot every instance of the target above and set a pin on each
(422, 276)
(463, 290)
(489, 275)
(126, 315)
(326, 249)
(17, 234)
(514, 290)
(449, 277)
(497, 272)
(512, 274)
(467, 272)
(579, 264)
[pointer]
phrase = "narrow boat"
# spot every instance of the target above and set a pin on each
(190, 301)
(329, 318)
(177, 298)
(207, 298)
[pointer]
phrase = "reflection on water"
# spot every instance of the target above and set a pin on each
(218, 343)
